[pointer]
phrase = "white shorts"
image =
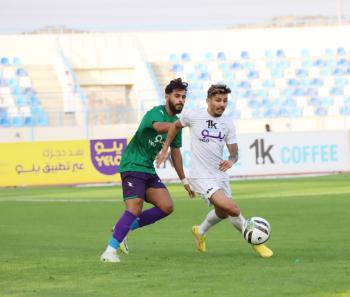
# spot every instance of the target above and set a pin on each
(207, 187)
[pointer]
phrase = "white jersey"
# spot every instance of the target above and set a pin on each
(209, 136)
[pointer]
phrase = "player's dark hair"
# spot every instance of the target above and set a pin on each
(218, 89)
(176, 84)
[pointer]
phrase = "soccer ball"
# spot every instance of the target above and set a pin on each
(256, 230)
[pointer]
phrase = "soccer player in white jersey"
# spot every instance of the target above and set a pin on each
(210, 131)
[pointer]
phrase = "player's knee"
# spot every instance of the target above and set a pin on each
(168, 209)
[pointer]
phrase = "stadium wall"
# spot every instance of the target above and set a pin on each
(97, 161)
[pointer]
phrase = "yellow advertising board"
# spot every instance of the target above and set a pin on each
(63, 162)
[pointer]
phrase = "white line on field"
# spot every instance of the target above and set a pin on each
(243, 197)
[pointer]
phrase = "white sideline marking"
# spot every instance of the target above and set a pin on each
(259, 196)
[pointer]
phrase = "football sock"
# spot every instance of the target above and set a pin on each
(237, 222)
(122, 228)
(211, 220)
(135, 224)
(150, 216)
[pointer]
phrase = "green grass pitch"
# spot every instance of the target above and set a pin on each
(51, 240)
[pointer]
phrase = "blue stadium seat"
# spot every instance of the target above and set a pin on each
(298, 92)
(17, 122)
(302, 73)
(236, 66)
(277, 73)
(253, 74)
(305, 53)
(177, 68)
(268, 83)
(315, 102)
(341, 81)
(28, 121)
(327, 102)
(307, 63)
(173, 57)
(269, 54)
(204, 75)
(221, 56)
(341, 51)
(343, 63)
(320, 111)
(244, 84)
(329, 52)
(292, 82)
(17, 61)
(209, 56)
(338, 72)
(4, 122)
(5, 61)
(317, 82)
(336, 91)
(280, 53)
(345, 110)
(320, 63)
(245, 55)
(43, 121)
(311, 92)
(347, 101)
(185, 57)
(21, 72)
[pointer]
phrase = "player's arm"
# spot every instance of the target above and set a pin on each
(233, 151)
(173, 130)
(161, 127)
(178, 165)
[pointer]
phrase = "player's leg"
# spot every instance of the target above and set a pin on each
(158, 195)
(214, 216)
(231, 208)
(134, 194)
(205, 188)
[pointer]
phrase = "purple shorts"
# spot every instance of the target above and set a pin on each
(136, 183)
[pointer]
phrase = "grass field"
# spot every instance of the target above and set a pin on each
(51, 240)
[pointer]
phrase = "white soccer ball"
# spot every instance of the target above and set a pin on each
(256, 230)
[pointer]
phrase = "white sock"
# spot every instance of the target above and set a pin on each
(111, 249)
(237, 222)
(211, 220)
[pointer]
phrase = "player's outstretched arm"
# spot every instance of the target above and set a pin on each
(161, 127)
(178, 164)
(163, 154)
(227, 164)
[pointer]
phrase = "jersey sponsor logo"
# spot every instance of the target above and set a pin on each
(206, 135)
(211, 124)
(157, 139)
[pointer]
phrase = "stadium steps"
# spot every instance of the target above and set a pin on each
(163, 73)
(45, 82)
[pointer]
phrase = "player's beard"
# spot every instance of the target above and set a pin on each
(175, 109)
(219, 112)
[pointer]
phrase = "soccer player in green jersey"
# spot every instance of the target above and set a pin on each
(140, 181)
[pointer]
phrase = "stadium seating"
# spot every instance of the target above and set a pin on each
(275, 84)
(19, 103)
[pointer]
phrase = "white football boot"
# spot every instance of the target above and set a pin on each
(110, 256)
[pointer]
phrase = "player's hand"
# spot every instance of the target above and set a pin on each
(189, 191)
(162, 156)
(225, 165)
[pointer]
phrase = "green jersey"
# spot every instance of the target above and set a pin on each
(146, 143)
